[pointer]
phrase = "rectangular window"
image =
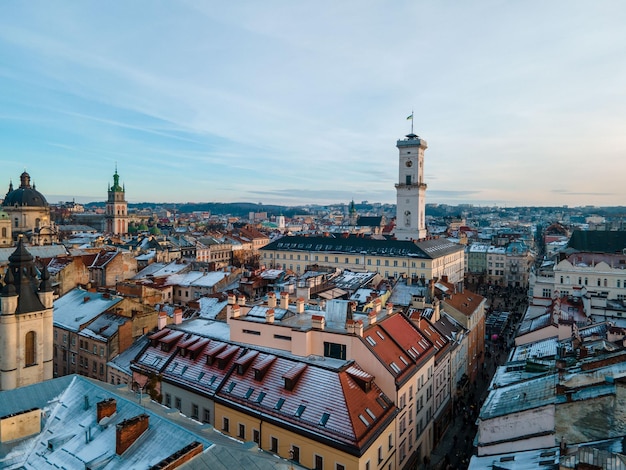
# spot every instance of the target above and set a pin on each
(319, 462)
(225, 424)
(256, 436)
(335, 350)
(179, 404)
(295, 453)
(168, 400)
(195, 411)
(206, 417)
(274, 444)
(340, 466)
(242, 431)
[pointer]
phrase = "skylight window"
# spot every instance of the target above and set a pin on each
(299, 411)
(249, 392)
(365, 421)
(380, 335)
(395, 367)
(370, 340)
(231, 386)
(324, 419)
(212, 380)
(279, 404)
(260, 398)
(404, 360)
(371, 413)
(200, 376)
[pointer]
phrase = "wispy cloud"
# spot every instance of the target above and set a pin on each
(249, 99)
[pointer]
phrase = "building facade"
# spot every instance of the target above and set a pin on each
(25, 323)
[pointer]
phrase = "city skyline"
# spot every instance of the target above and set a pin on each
(283, 103)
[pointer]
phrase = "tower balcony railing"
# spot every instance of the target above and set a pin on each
(411, 186)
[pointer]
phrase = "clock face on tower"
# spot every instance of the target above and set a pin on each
(409, 163)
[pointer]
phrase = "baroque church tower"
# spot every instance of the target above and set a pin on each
(411, 189)
(116, 216)
(26, 329)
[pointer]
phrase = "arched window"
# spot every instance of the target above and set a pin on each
(30, 349)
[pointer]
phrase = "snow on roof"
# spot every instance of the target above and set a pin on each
(519, 397)
(210, 307)
(72, 417)
(47, 251)
(196, 279)
(122, 361)
(79, 306)
(160, 270)
(208, 328)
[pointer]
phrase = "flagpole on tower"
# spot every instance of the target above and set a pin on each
(411, 118)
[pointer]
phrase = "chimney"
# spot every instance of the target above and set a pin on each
(232, 299)
(241, 300)
(269, 315)
(300, 305)
(358, 328)
(284, 300)
(178, 316)
(105, 408)
(436, 312)
(389, 308)
(128, 431)
(271, 300)
(350, 326)
(318, 321)
(378, 304)
(371, 316)
(235, 311)
(162, 320)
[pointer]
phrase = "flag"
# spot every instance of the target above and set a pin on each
(410, 117)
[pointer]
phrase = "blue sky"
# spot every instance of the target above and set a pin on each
(293, 102)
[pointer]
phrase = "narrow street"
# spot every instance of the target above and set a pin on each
(457, 445)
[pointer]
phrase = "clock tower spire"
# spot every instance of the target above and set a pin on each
(411, 189)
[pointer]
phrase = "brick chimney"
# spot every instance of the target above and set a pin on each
(378, 304)
(358, 328)
(271, 300)
(300, 305)
(284, 300)
(232, 299)
(371, 316)
(389, 308)
(318, 321)
(128, 431)
(105, 408)
(241, 300)
(269, 315)
(162, 320)
(178, 316)
(235, 311)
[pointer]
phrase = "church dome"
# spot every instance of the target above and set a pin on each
(25, 195)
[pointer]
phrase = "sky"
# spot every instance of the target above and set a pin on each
(301, 102)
